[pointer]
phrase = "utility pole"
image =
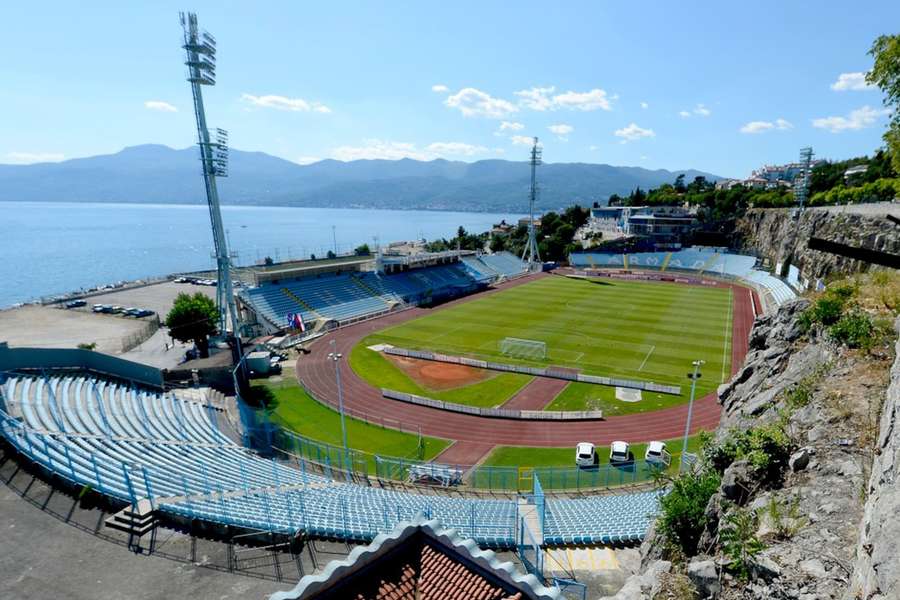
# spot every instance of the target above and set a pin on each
(334, 239)
(335, 356)
(687, 426)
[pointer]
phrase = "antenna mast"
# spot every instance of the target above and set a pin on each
(530, 253)
(200, 58)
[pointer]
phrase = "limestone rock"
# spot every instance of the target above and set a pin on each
(737, 481)
(799, 460)
(704, 574)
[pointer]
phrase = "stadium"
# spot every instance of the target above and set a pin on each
(468, 380)
(432, 398)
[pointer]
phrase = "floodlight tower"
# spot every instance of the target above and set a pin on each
(531, 248)
(200, 58)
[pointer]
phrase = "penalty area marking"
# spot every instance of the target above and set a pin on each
(652, 348)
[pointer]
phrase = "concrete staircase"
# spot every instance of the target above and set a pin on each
(136, 521)
(368, 289)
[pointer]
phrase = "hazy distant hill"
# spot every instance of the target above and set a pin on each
(154, 173)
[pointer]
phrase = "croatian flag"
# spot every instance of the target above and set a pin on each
(295, 321)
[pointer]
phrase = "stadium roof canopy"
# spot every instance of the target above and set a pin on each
(420, 559)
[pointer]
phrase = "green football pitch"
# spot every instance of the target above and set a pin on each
(649, 331)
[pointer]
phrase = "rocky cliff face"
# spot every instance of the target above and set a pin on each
(769, 233)
(810, 537)
(876, 572)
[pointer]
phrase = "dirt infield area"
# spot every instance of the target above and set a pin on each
(438, 376)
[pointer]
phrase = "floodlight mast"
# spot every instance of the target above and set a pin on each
(531, 254)
(200, 58)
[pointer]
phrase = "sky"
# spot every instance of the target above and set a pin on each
(722, 87)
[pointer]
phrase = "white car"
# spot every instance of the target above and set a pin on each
(585, 454)
(657, 454)
(619, 452)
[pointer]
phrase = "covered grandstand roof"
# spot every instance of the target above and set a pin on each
(420, 559)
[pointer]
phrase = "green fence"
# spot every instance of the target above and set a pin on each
(333, 461)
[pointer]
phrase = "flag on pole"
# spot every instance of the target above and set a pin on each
(295, 321)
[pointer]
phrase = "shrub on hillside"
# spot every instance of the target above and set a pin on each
(854, 330)
(767, 448)
(683, 510)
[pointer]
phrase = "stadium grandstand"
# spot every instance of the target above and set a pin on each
(701, 261)
(167, 456)
(336, 292)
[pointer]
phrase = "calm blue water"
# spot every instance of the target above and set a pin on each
(49, 248)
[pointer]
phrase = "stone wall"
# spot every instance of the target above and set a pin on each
(876, 573)
(769, 233)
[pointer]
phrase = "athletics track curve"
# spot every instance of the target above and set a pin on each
(316, 374)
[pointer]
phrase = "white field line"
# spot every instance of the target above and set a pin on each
(652, 348)
(727, 323)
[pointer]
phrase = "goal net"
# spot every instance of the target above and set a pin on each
(527, 349)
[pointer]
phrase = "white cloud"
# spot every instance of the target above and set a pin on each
(306, 160)
(521, 140)
(763, 126)
(593, 148)
(562, 130)
(382, 149)
(475, 103)
(509, 126)
(455, 149)
(644, 105)
(857, 119)
(499, 151)
(378, 149)
(440, 88)
(633, 133)
(851, 82)
(592, 100)
(27, 158)
(537, 98)
(285, 103)
(160, 106)
(543, 99)
(700, 110)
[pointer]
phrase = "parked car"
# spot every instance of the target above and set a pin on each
(144, 312)
(657, 454)
(116, 309)
(586, 454)
(619, 452)
(102, 308)
(75, 303)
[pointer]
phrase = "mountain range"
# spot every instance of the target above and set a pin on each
(153, 173)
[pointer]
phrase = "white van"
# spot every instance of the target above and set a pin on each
(657, 454)
(585, 454)
(619, 452)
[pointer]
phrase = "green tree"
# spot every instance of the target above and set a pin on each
(679, 184)
(362, 250)
(885, 74)
(193, 319)
(498, 244)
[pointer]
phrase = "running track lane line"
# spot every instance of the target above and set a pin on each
(317, 375)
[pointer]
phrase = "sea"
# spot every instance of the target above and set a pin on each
(49, 248)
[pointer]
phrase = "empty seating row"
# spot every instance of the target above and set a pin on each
(343, 297)
(134, 444)
(701, 261)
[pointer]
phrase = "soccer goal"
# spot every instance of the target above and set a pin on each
(527, 349)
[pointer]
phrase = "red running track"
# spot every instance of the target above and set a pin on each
(316, 373)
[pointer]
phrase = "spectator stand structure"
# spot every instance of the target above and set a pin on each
(162, 457)
(701, 262)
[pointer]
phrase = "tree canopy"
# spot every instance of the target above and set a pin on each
(885, 74)
(193, 319)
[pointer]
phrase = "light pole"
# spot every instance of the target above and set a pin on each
(336, 357)
(687, 426)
